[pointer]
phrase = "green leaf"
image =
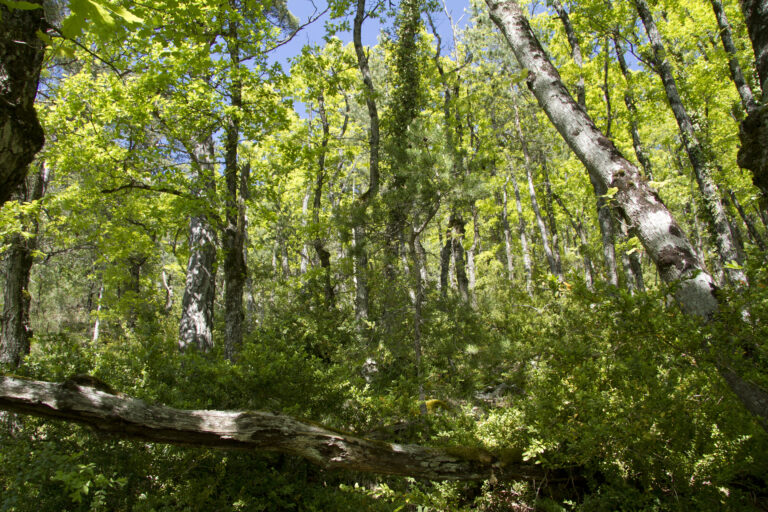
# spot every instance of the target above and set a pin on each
(611, 192)
(520, 76)
(127, 15)
(21, 5)
(733, 266)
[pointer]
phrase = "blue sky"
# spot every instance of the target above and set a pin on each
(313, 34)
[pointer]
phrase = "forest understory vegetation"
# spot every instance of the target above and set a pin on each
(405, 243)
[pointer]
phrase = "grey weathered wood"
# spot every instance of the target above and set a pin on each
(131, 418)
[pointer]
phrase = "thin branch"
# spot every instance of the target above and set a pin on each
(143, 186)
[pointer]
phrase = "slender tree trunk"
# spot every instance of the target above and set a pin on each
(551, 217)
(578, 227)
(196, 325)
(604, 216)
(21, 59)
(581, 96)
(19, 257)
(471, 252)
(639, 204)
(305, 250)
(360, 251)
(234, 231)
(726, 37)
(322, 254)
(534, 201)
(718, 221)
(416, 293)
(521, 232)
(507, 233)
(629, 101)
(97, 321)
(754, 234)
(457, 251)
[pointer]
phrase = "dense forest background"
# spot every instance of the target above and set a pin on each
(396, 243)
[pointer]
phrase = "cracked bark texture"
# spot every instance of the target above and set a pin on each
(21, 58)
(129, 418)
(196, 325)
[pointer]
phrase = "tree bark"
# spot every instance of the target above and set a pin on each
(234, 230)
(364, 201)
(726, 37)
(578, 227)
(507, 233)
(629, 101)
(754, 234)
(521, 232)
(196, 325)
(543, 232)
(257, 431)
(753, 132)
(21, 59)
(604, 216)
(664, 241)
(16, 330)
(718, 221)
(322, 253)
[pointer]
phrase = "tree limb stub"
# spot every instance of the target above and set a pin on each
(131, 418)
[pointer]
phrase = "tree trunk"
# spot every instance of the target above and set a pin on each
(573, 41)
(551, 217)
(364, 201)
(322, 254)
(604, 216)
(21, 59)
(456, 226)
(726, 37)
(196, 325)
(718, 221)
(754, 234)
(629, 101)
(640, 205)
(753, 132)
(507, 233)
(543, 232)
(16, 330)
(521, 232)
(584, 244)
(234, 230)
(87, 401)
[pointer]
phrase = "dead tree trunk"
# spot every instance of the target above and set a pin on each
(87, 401)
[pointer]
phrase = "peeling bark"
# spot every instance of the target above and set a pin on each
(21, 59)
(130, 418)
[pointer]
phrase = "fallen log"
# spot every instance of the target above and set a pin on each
(98, 407)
